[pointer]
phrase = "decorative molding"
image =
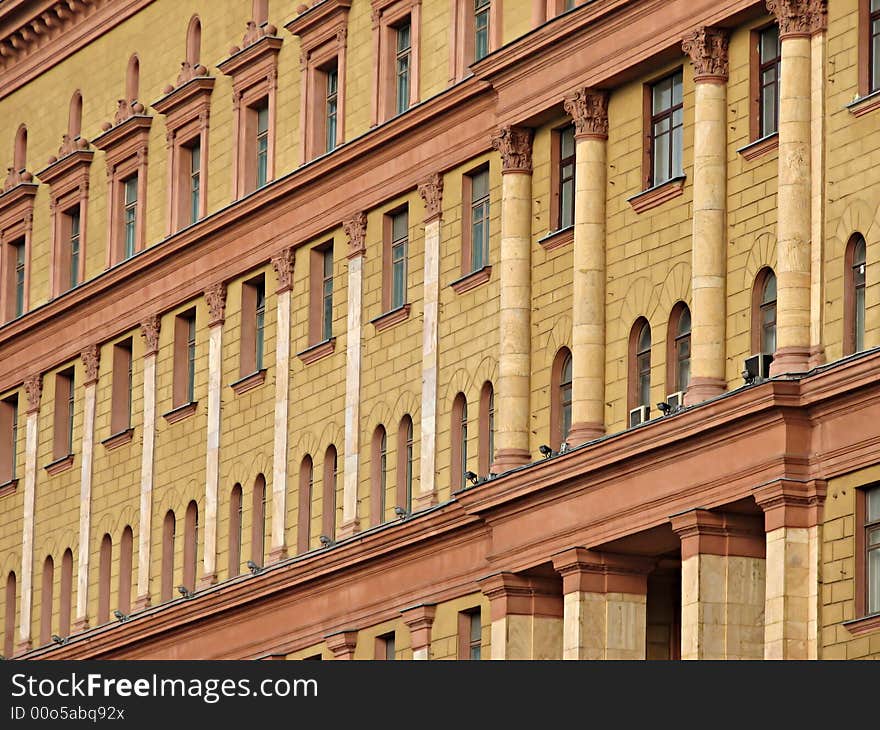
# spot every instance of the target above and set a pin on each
(588, 109)
(557, 239)
(356, 230)
(59, 465)
(472, 280)
(515, 146)
(215, 296)
(864, 104)
(863, 625)
(431, 192)
(254, 33)
(33, 388)
(118, 439)
(181, 412)
(283, 264)
(91, 359)
(799, 18)
(316, 352)
(16, 177)
(249, 382)
(659, 194)
(708, 50)
(322, 19)
(389, 319)
(150, 328)
(184, 101)
(8, 488)
(759, 147)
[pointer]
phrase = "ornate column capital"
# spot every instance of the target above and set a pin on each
(707, 48)
(91, 359)
(588, 109)
(799, 18)
(515, 146)
(33, 388)
(283, 264)
(356, 230)
(215, 296)
(431, 191)
(150, 332)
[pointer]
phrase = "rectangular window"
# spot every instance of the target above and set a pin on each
(396, 251)
(62, 444)
(481, 28)
(563, 184)
(769, 66)
(129, 215)
(120, 412)
(321, 293)
(331, 107)
(195, 162)
(19, 278)
(262, 140)
(667, 132)
(470, 630)
(253, 317)
(479, 220)
(8, 437)
(385, 647)
(872, 550)
(403, 62)
(184, 358)
(874, 82)
(73, 246)
(327, 295)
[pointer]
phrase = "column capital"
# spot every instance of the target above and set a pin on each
(215, 296)
(591, 571)
(419, 619)
(356, 230)
(342, 643)
(515, 146)
(91, 359)
(150, 332)
(719, 533)
(799, 18)
(431, 191)
(282, 262)
(521, 595)
(707, 48)
(791, 503)
(588, 109)
(33, 388)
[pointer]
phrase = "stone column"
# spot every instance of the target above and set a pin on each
(150, 328)
(33, 387)
(215, 296)
(420, 619)
(793, 227)
(514, 365)
(356, 230)
(526, 615)
(817, 190)
(722, 585)
(605, 604)
(707, 48)
(589, 110)
(432, 194)
(283, 265)
(342, 643)
(792, 519)
(91, 358)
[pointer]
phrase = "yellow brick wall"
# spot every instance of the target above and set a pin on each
(11, 516)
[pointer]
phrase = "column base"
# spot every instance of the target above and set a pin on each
(787, 360)
(585, 431)
(702, 389)
(276, 555)
(817, 356)
(206, 581)
(424, 501)
(23, 646)
(81, 624)
(347, 529)
(506, 459)
(142, 602)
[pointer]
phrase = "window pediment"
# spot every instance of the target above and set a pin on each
(320, 23)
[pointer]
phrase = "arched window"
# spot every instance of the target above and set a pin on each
(9, 616)
(194, 41)
(487, 428)
(258, 525)
(104, 569)
(379, 475)
(235, 531)
(328, 500)
(764, 312)
(123, 598)
(459, 433)
(66, 593)
(19, 155)
(132, 78)
(304, 513)
(854, 295)
(405, 463)
(640, 364)
(46, 601)
(678, 349)
(74, 116)
(190, 545)
(169, 528)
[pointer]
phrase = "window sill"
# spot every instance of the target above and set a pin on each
(659, 194)
(389, 319)
(472, 280)
(863, 625)
(8, 487)
(249, 382)
(557, 239)
(181, 412)
(118, 439)
(59, 465)
(759, 147)
(316, 352)
(864, 104)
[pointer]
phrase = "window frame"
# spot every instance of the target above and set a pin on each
(863, 527)
(674, 341)
(462, 47)
(236, 513)
(328, 493)
(756, 95)
(388, 17)
(378, 475)
(9, 416)
(650, 119)
(320, 330)
(850, 295)
(759, 306)
(385, 645)
(469, 204)
(258, 521)
(405, 466)
(557, 399)
(458, 442)
(557, 180)
(466, 641)
(867, 84)
(63, 414)
(635, 360)
(253, 326)
(304, 504)
(390, 245)
(121, 395)
(486, 452)
(185, 347)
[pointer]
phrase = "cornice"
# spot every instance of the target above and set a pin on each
(193, 91)
(71, 164)
(318, 16)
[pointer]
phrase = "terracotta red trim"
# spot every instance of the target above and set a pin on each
(865, 625)
(249, 382)
(759, 147)
(8, 487)
(59, 465)
(118, 439)
(316, 352)
(472, 280)
(589, 571)
(659, 194)
(557, 239)
(389, 319)
(419, 620)
(711, 533)
(865, 104)
(511, 594)
(181, 412)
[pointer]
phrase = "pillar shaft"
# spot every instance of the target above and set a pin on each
(514, 366)
(145, 523)
(90, 359)
(34, 390)
(817, 199)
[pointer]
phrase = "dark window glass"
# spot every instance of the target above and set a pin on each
(479, 220)
(666, 129)
(770, 56)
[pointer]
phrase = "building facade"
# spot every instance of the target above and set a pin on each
(440, 329)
